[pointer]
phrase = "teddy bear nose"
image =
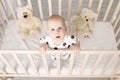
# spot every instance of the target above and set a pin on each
(25, 16)
(86, 19)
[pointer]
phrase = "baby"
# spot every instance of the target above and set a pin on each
(57, 38)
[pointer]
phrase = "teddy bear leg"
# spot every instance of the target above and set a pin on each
(34, 33)
(74, 30)
(24, 35)
(87, 35)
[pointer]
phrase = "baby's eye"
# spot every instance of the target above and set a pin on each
(52, 29)
(60, 28)
(85, 16)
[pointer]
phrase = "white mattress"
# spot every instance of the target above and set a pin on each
(103, 38)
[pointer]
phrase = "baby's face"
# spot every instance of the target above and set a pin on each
(56, 30)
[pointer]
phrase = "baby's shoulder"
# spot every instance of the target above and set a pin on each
(44, 37)
(70, 37)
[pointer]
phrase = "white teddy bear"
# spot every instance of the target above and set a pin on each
(27, 25)
(82, 25)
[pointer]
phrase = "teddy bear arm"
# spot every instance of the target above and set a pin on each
(74, 19)
(73, 29)
(18, 27)
(91, 27)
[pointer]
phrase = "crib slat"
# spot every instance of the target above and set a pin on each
(116, 69)
(71, 63)
(108, 9)
(99, 8)
(40, 9)
(12, 10)
(116, 22)
(32, 63)
(45, 63)
(90, 3)
(3, 10)
(84, 62)
(19, 63)
(69, 9)
(97, 63)
(19, 2)
(29, 3)
(50, 7)
(60, 7)
(7, 63)
(118, 30)
(1, 70)
(79, 6)
(2, 21)
(109, 63)
(117, 9)
(118, 42)
(58, 64)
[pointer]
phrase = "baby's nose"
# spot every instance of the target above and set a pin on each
(57, 30)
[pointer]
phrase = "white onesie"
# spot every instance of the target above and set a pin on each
(68, 42)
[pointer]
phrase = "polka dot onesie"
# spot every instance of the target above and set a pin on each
(68, 42)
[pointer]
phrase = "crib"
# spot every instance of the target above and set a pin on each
(91, 63)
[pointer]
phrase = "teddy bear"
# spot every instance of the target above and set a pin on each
(27, 25)
(82, 25)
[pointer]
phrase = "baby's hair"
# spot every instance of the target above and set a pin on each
(57, 17)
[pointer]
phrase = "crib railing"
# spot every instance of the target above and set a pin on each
(30, 53)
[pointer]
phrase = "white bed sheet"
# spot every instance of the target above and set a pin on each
(103, 38)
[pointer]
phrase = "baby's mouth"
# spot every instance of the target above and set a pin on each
(57, 36)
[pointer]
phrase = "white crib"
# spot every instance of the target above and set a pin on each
(102, 63)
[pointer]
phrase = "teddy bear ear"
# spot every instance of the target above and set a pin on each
(84, 10)
(74, 18)
(95, 15)
(28, 7)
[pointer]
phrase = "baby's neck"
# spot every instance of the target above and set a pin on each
(58, 42)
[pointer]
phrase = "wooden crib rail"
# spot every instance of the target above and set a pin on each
(29, 54)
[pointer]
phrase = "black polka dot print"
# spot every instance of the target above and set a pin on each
(40, 38)
(68, 46)
(72, 37)
(73, 44)
(47, 43)
(64, 44)
(55, 59)
(55, 48)
(43, 37)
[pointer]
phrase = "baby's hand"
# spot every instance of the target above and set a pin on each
(76, 49)
(42, 48)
